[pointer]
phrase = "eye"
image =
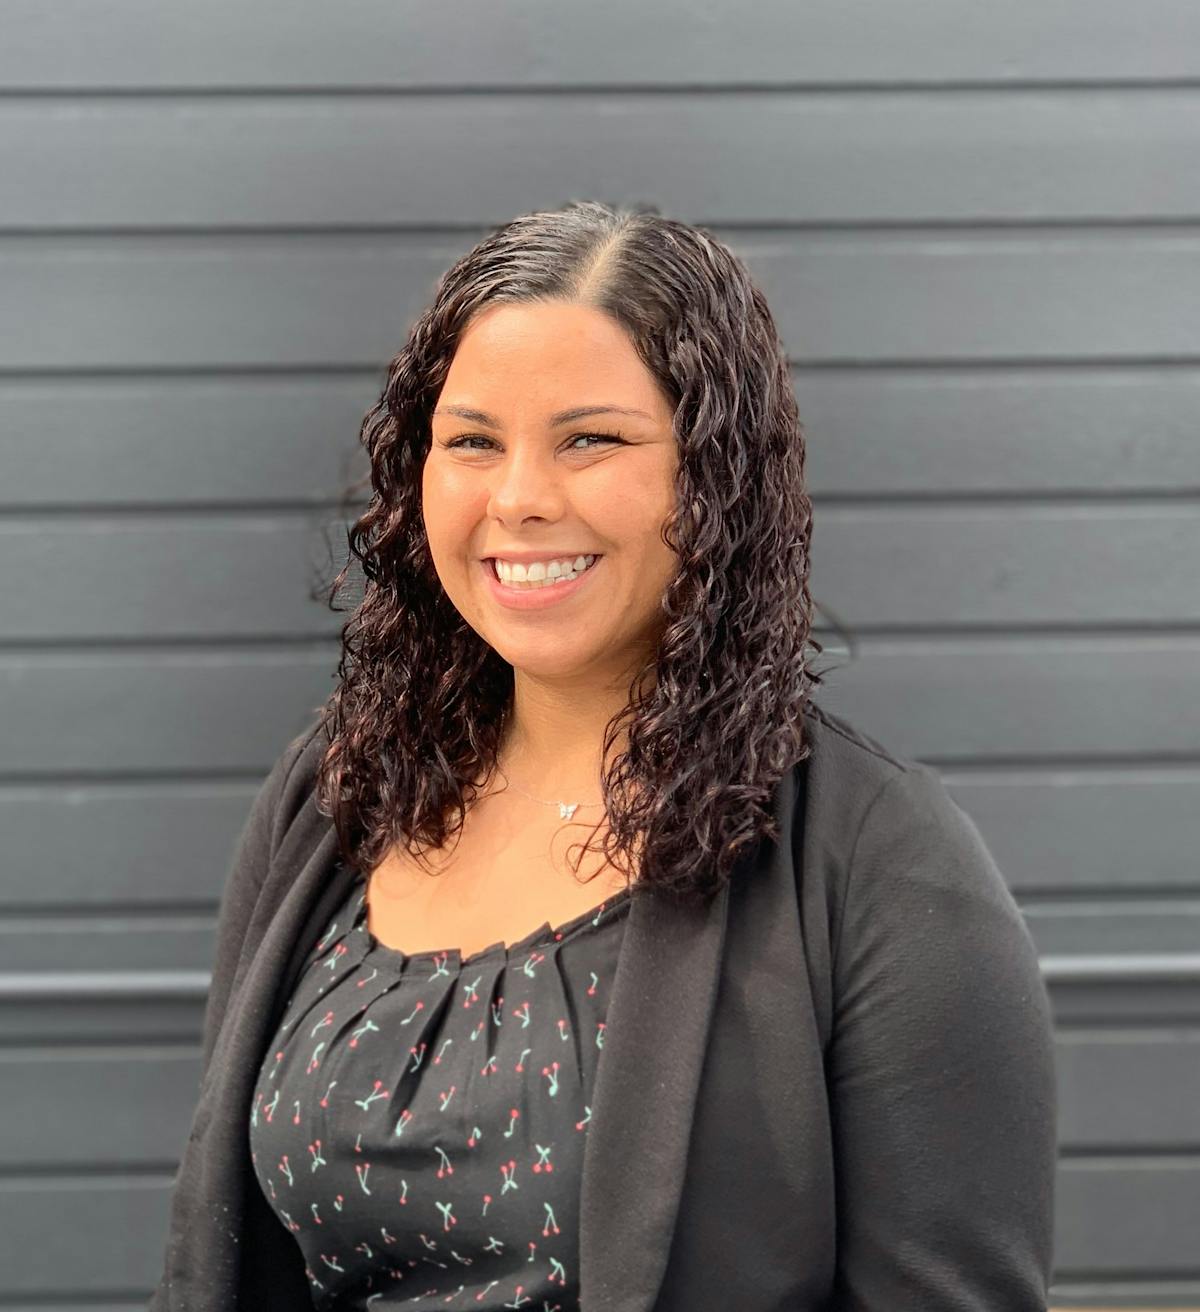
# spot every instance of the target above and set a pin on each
(600, 437)
(461, 442)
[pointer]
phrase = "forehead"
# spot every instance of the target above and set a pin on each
(538, 359)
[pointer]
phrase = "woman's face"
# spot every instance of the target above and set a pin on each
(515, 479)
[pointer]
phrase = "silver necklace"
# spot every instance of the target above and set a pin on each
(565, 809)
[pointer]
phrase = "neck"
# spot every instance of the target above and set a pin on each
(553, 744)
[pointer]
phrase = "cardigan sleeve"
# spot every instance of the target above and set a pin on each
(248, 868)
(940, 1068)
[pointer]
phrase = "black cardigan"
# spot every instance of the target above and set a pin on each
(831, 1090)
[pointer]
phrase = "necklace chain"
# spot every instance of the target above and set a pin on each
(565, 809)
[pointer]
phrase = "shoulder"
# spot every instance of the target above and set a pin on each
(856, 778)
(844, 775)
(902, 858)
(844, 742)
(287, 794)
(302, 756)
(883, 833)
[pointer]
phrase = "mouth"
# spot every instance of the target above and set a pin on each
(541, 585)
(540, 595)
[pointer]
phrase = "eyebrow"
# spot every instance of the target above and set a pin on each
(562, 417)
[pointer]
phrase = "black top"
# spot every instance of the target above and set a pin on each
(418, 1122)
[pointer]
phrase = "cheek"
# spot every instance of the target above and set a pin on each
(449, 509)
(633, 518)
(634, 495)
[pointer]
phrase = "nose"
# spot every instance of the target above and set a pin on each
(526, 484)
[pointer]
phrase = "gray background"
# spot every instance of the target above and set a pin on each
(977, 227)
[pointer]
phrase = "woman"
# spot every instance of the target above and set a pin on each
(573, 957)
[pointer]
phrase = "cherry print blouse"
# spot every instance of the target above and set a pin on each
(418, 1121)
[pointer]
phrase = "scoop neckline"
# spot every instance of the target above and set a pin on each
(451, 957)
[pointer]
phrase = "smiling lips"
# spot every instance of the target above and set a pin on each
(541, 573)
(537, 594)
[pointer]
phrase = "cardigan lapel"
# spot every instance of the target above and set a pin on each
(655, 1039)
(214, 1205)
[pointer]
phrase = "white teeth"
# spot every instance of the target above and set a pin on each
(541, 574)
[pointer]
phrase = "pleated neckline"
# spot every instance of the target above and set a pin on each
(545, 935)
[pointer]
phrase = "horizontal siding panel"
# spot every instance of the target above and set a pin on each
(1113, 1218)
(130, 1108)
(90, 1305)
(184, 441)
(43, 1219)
(1086, 1295)
(196, 575)
(348, 301)
(117, 985)
(149, 712)
(327, 162)
(133, 1009)
(1128, 1089)
(251, 301)
(106, 942)
(399, 44)
(998, 700)
(97, 1109)
(233, 440)
(1080, 830)
(130, 845)
(1118, 993)
(948, 701)
(1121, 1217)
(168, 576)
(1009, 431)
(1005, 566)
(1127, 926)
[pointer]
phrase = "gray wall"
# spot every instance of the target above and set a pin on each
(978, 230)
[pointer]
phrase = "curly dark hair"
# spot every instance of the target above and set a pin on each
(422, 701)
